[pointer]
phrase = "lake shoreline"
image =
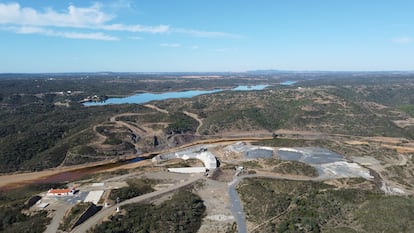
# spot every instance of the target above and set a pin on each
(146, 97)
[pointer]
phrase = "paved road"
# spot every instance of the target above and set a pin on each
(58, 216)
(236, 206)
(106, 212)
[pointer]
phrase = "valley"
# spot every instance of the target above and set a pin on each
(365, 125)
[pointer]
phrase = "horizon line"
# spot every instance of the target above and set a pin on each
(210, 72)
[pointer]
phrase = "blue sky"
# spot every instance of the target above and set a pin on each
(199, 35)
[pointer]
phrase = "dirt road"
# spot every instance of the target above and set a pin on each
(156, 108)
(23, 178)
(134, 129)
(106, 212)
(195, 117)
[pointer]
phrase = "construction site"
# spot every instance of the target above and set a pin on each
(213, 170)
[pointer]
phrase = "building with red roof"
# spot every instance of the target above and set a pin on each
(60, 192)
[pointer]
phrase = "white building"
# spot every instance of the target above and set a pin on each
(61, 192)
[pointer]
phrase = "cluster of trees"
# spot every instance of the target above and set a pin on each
(13, 220)
(136, 187)
(182, 213)
(181, 123)
(299, 206)
(111, 85)
(14, 206)
(333, 109)
(36, 134)
(72, 216)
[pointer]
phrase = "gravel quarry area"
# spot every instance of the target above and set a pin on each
(342, 169)
(251, 152)
(218, 188)
(330, 165)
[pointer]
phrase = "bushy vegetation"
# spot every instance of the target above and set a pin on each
(182, 213)
(112, 141)
(387, 214)
(331, 109)
(279, 166)
(13, 210)
(295, 168)
(73, 215)
(299, 206)
(17, 222)
(21, 194)
(252, 164)
(42, 121)
(181, 123)
(36, 132)
(136, 187)
(111, 84)
(43, 139)
(177, 121)
(231, 111)
(408, 109)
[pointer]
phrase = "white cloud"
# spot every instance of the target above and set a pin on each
(30, 20)
(136, 28)
(28, 30)
(70, 35)
(121, 4)
(27, 20)
(402, 40)
(171, 45)
(89, 36)
(76, 17)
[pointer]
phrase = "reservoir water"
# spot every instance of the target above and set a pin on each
(147, 97)
(288, 83)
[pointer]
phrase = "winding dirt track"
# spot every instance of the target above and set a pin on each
(23, 178)
(133, 128)
(195, 117)
(156, 108)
